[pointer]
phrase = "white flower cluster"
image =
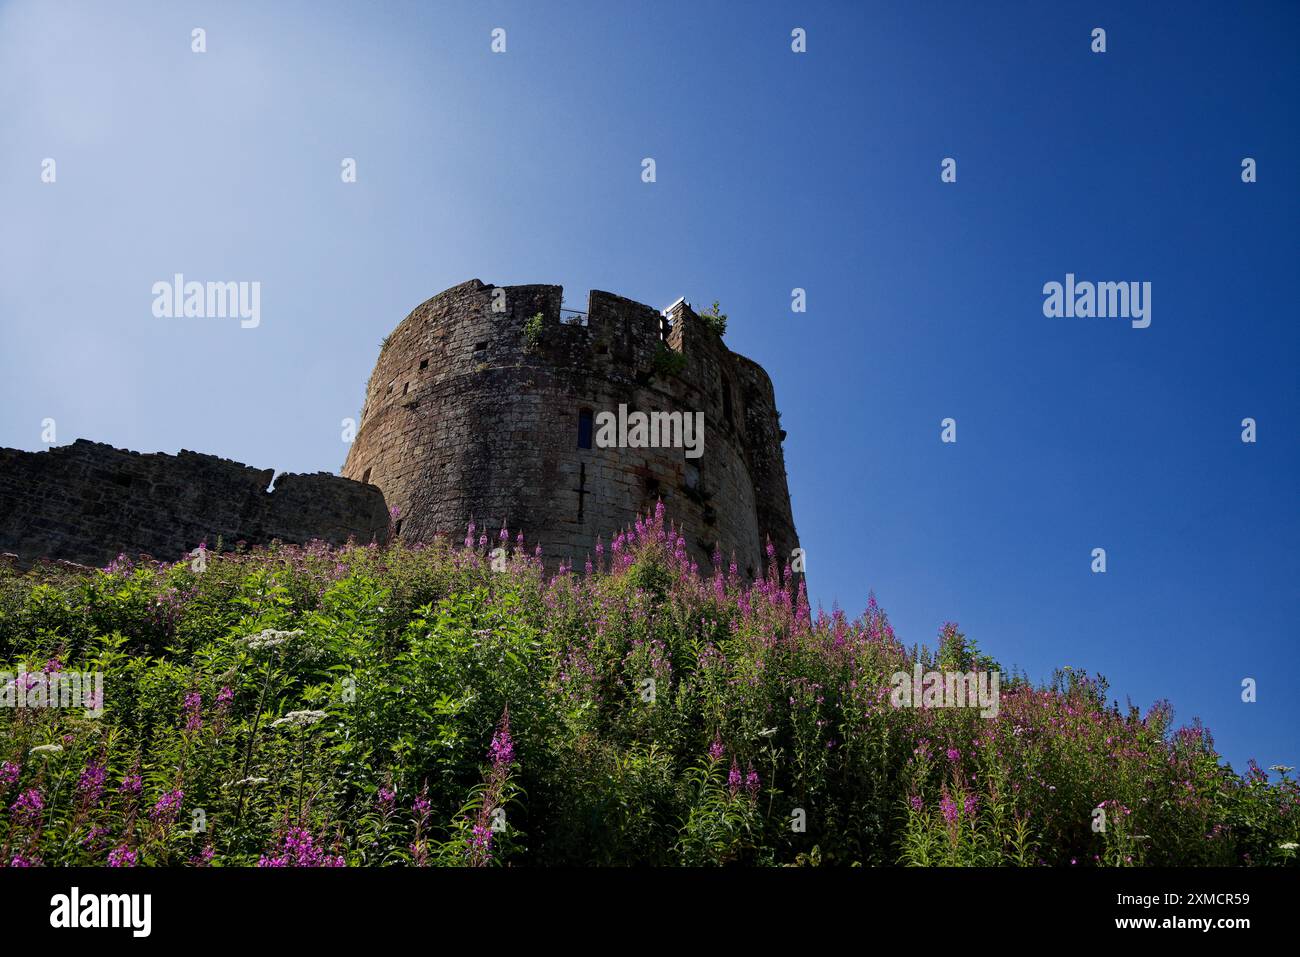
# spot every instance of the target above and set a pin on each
(299, 719)
(270, 639)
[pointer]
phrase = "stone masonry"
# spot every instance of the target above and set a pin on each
(469, 417)
(87, 503)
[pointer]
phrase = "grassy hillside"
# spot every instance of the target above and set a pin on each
(367, 706)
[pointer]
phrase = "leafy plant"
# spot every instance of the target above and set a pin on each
(715, 319)
(429, 705)
(533, 327)
(668, 362)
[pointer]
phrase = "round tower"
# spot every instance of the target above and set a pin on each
(494, 405)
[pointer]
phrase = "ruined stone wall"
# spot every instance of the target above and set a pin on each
(467, 419)
(87, 503)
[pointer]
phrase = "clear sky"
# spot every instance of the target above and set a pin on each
(775, 170)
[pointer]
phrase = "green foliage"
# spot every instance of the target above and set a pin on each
(533, 332)
(715, 319)
(668, 362)
(412, 706)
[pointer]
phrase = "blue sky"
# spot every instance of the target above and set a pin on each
(775, 171)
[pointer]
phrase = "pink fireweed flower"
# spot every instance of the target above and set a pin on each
(122, 857)
(949, 808)
(733, 777)
(224, 697)
(168, 806)
(954, 755)
(751, 781)
(193, 711)
(91, 784)
(131, 784)
(503, 748)
(299, 849)
(715, 749)
(421, 807)
(28, 808)
(8, 774)
(480, 843)
(204, 857)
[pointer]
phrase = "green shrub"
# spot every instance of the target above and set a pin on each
(412, 706)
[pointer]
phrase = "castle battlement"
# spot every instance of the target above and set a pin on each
(478, 411)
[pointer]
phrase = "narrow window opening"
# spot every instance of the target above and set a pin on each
(397, 530)
(582, 488)
(424, 364)
(365, 477)
(584, 429)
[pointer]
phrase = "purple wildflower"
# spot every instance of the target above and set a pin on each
(91, 784)
(733, 777)
(480, 843)
(716, 749)
(169, 805)
(29, 807)
(122, 857)
(949, 808)
(204, 857)
(299, 849)
(503, 748)
(421, 807)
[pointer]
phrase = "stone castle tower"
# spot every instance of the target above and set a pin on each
(476, 412)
